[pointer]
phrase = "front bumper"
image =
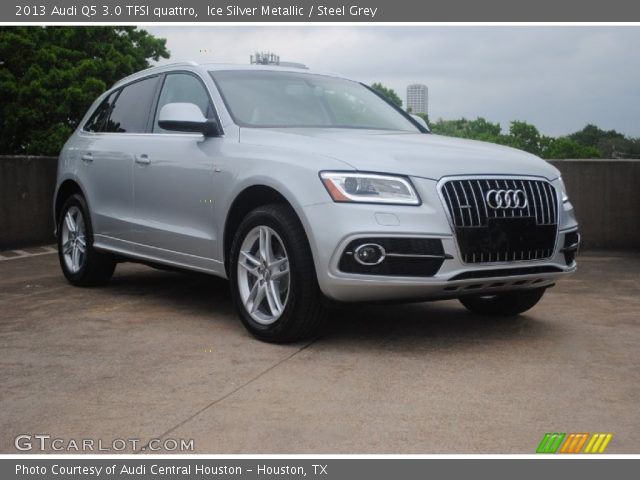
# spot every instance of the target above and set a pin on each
(332, 227)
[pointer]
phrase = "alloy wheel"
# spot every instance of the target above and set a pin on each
(74, 243)
(263, 275)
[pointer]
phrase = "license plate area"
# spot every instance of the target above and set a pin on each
(506, 239)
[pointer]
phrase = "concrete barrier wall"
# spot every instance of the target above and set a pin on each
(606, 197)
(605, 193)
(26, 195)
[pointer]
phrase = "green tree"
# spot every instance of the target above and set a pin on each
(590, 142)
(591, 135)
(564, 147)
(50, 75)
(610, 143)
(620, 148)
(478, 129)
(525, 136)
(387, 92)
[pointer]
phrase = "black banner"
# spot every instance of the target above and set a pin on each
(318, 468)
(141, 11)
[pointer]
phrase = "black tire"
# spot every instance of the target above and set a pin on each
(304, 311)
(503, 304)
(96, 268)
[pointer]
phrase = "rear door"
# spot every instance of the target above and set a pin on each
(105, 176)
(111, 138)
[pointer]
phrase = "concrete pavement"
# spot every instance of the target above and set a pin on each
(162, 355)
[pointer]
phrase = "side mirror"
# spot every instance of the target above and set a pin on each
(421, 121)
(186, 117)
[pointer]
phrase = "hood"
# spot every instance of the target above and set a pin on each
(412, 154)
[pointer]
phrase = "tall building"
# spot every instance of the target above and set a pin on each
(418, 98)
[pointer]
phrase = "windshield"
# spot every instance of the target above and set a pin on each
(290, 99)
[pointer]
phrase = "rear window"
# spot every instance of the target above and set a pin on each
(101, 114)
(125, 110)
(130, 112)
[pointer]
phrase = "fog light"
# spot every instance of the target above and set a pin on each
(369, 254)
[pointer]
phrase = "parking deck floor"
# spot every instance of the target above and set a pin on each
(162, 355)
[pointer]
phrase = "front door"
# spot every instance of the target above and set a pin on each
(173, 184)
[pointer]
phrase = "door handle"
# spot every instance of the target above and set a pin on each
(143, 159)
(87, 157)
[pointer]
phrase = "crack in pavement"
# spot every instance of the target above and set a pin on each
(229, 394)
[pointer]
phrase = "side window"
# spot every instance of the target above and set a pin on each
(183, 88)
(96, 121)
(131, 110)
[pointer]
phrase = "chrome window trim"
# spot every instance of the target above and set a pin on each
(119, 86)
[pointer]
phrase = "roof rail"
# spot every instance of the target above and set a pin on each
(190, 63)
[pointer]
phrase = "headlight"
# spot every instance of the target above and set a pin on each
(369, 188)
(563, 191)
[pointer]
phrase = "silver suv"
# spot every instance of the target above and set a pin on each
(304, 189)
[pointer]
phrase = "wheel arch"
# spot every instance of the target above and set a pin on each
(67, 188)
(248, 199)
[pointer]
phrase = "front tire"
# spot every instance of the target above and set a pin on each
(81, 264)
(273, 279)
(503, 304)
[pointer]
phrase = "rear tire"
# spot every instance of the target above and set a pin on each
(273, 279)
(503, 304)
(81, 264)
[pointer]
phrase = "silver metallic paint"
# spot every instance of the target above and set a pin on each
(173, 208)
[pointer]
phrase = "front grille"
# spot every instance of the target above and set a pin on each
(508, 233)
(466, 200)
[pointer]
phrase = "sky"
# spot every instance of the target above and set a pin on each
(558, 78)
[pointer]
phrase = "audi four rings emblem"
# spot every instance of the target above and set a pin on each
(503, 199)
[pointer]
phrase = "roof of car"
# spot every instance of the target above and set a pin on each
(218, 66)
